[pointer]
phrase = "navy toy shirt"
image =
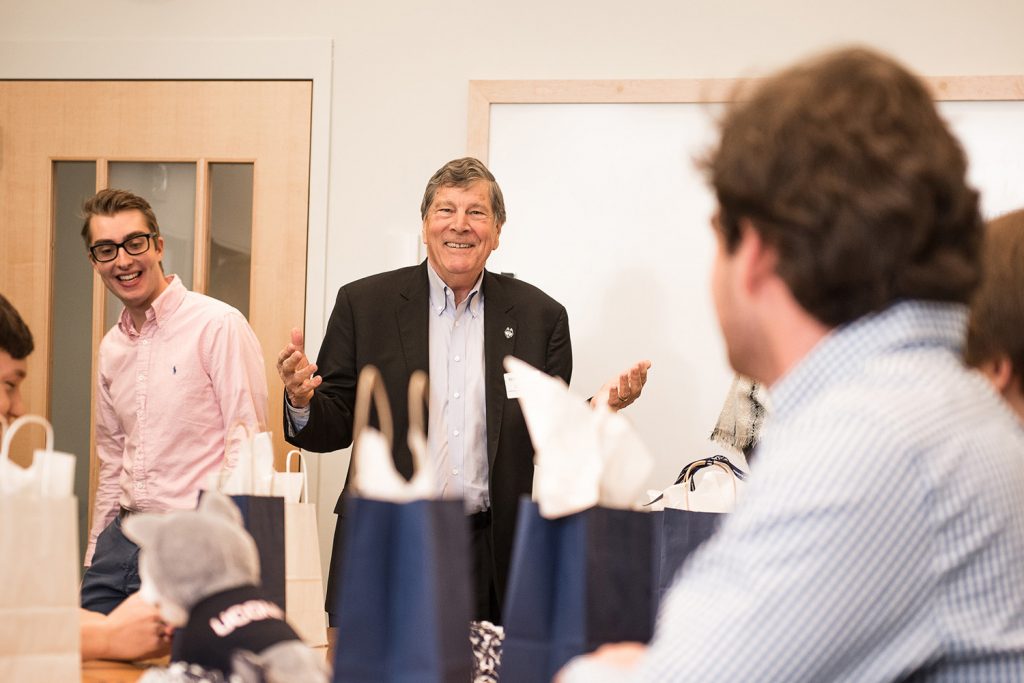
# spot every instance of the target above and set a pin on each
(236, 619)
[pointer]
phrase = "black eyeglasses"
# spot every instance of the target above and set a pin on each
(135, 245)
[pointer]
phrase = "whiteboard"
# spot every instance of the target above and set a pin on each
(608, 214)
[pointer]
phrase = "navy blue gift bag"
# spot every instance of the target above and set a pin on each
(576, 583)
(403, 603)
(263, 517)
(676, 534)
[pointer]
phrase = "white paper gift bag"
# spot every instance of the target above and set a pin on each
(39, 623)
(304, 587)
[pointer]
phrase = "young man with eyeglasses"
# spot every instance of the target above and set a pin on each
(175, 375)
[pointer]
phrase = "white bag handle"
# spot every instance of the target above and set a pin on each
(17, 424)
(305, 476)
(5, 445)
(416, 437)
(373, 473)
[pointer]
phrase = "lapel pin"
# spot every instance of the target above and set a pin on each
(508, 333)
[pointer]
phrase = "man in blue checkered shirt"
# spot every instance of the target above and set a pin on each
(881, 536)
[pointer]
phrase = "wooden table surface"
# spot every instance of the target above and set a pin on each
(102, 671)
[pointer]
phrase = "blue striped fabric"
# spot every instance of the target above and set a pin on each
(881, 537)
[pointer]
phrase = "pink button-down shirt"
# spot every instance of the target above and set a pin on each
(168, 399)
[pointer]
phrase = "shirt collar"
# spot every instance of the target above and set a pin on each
(439, 293)
(844, 351)
(160, 310)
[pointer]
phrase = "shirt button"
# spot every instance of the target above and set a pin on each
(142, 377)
(457, 394)
(145, 342)
(455, 433)
(139, 485)
(458, 358)
(455, 472)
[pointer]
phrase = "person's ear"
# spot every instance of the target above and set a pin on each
(999, 371)
(756, 259)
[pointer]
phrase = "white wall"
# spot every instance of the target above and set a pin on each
(401, 68)
(401, 71)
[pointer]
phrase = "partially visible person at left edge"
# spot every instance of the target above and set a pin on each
(134, 630)
(177, 374)
(15, 345)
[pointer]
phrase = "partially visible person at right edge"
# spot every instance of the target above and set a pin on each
(881, 536)
(995, 331)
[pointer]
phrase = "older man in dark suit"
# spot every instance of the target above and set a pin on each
(432, 317)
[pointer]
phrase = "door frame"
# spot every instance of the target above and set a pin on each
(292, 59)
(306, 59)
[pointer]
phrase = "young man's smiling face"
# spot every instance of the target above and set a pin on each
(136, 280)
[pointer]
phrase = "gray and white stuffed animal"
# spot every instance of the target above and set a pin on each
(201, 568)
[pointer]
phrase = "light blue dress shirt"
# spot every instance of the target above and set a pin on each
(457, 429)
(881, 535)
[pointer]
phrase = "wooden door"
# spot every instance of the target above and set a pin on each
(85, 133)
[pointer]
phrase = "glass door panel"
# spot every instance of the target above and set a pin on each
(71, 325)
(170, 188)
(230, 252)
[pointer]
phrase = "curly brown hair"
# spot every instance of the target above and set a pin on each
(843, 164)
(996, 326)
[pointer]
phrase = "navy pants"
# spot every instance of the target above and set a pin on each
(114, 574)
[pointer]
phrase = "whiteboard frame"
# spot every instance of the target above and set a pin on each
(482, 94)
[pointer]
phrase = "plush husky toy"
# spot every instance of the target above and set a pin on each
(201, 568)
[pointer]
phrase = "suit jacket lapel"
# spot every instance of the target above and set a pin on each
(413, 325)
(499, 341)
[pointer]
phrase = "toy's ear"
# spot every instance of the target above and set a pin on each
(216, 503)
(141, 529)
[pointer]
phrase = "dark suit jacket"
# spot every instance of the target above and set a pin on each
(382, 320)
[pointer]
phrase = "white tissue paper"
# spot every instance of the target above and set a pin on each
(715, 490)
(252, 472)
(375, 476)
(584, 456)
